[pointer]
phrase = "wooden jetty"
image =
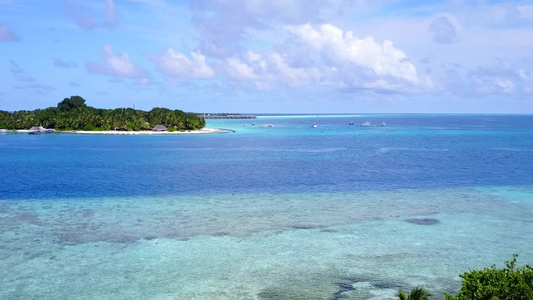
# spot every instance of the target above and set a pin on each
(232, 116)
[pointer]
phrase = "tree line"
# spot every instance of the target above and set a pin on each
(508, 283)
(73, 114)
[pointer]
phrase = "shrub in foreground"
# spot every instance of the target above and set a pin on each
(508, 283)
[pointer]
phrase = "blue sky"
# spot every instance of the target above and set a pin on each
(286, 56)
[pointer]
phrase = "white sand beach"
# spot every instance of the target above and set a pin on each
(145, 132)
(149, 132)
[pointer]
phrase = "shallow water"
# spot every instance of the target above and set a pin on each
(288, 212)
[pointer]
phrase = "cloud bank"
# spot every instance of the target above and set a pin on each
(174, 64)
(119, 66)
(326, 55)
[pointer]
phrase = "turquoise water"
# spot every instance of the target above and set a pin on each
(289, 211)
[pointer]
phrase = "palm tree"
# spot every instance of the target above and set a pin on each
(417, 293)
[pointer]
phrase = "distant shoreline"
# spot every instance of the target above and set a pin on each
(144, 132)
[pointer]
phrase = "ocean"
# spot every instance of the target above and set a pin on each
(288, 211)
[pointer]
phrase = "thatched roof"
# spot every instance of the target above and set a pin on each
(160, 128)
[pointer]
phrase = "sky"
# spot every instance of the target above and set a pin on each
(269, 56)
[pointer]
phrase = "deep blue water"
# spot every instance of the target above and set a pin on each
(412, 151)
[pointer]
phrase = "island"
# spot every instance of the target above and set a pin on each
(72, 115)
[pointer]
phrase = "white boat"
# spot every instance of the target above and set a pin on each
(315, 126)
(351, 123)
(366, 124)
(383, 124)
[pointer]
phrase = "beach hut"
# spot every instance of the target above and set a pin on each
(160, 128)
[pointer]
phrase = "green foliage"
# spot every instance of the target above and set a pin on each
(73, 114)
(70, 104)
(89, 127)
(171, 129)
(417, 293)
(131, 126)
(509, 283)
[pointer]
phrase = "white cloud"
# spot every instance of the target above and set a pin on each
(6, 34)
(264, 69)
(341, 50)
(491, 85)
(502, 78)
(293, 76)
(507, 86)
(238, 69)
(223, 24)
(175, 64)
(116, 65)
(327, 56)
(525, 81)
(522, 74)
